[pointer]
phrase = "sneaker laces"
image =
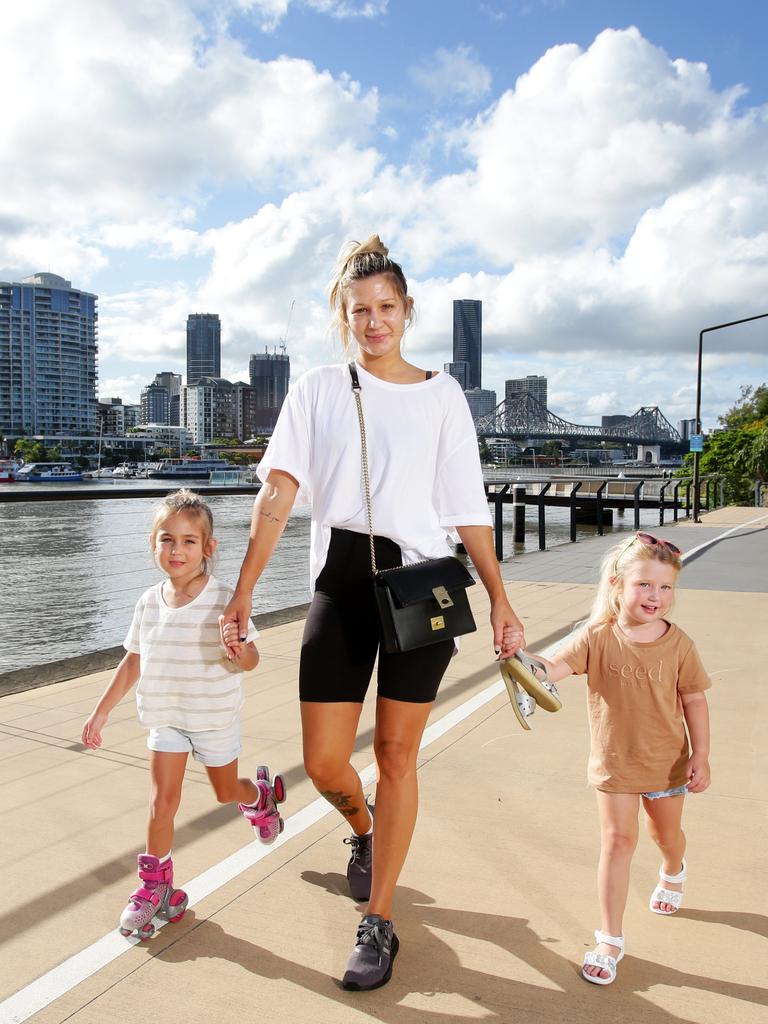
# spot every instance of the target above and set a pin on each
(372, 933)
(361, 849)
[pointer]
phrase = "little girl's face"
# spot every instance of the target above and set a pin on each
(647, 591)
(180, 546)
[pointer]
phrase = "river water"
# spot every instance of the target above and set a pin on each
(73, 571)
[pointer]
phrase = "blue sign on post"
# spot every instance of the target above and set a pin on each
(697, 442)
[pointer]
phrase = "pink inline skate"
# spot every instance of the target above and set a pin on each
(155, 895)
(264, 816)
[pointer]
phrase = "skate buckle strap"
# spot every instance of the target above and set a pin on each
(148, 895)
(153, 876)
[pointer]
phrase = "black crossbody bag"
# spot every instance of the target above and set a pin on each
(418, 604)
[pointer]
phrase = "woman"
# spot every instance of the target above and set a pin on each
(425, 480)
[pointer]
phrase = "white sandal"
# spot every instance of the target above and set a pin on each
(522, 703)
(531, 674)
(603, 960)
(662, 895)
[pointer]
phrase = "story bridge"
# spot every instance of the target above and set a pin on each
(524, 417)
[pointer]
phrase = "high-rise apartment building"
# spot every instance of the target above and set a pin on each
(117, 418)
(203, 346)
(270, 374)
(481, 401)
(171, 381)
(48, 345)
(160, 399)
(155, 403)
(468, 338)
(208, 409)
(532, 384)
(459, 371)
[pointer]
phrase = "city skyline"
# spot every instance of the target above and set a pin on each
(593, 172)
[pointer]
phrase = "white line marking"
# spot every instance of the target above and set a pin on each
(714, 540)
(59, 980)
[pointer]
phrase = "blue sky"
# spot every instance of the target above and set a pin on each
(594, 171)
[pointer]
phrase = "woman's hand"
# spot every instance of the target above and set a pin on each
(508, 632)
(233, 624)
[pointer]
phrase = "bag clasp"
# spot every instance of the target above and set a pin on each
(442, 597)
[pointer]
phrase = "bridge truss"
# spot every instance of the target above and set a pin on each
(524, 417)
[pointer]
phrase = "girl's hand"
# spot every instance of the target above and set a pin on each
(697, 773)
(92, 729)
(230, 638)
(236, 614)
(508, 633)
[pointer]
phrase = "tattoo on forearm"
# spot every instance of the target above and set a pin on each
(270, 517)
(341, 801)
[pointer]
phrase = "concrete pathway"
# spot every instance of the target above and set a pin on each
(497, 900)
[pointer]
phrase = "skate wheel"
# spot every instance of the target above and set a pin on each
(278, 789)
(178, 902)
(146, 932)
(262, 773)
(127, 932)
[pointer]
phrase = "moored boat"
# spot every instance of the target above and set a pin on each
(8, 471)
(48, 473)
(188, 469)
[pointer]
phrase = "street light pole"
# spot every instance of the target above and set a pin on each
(696, 455)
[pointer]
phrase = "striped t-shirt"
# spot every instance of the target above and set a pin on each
(186, 680)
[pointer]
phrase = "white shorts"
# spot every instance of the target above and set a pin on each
(212, 747)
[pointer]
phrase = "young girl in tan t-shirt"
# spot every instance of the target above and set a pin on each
(646, 683)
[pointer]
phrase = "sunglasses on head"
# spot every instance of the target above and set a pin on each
(650, 541)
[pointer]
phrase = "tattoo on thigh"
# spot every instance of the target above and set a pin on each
(341, 801)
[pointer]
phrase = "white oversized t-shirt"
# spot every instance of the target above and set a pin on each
(422, 456)
(186, 680)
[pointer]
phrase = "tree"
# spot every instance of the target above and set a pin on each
(752, 407)
(724, 456)
(753, 458)
(29, 450)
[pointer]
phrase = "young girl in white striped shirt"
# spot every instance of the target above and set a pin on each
(189, 697)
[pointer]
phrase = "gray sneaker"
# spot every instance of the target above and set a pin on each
(360, 867)
(370, 963)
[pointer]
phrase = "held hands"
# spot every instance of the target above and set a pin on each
(697, 773)
(230, 638)
(508, 633)
(233, 624)
(92, 729)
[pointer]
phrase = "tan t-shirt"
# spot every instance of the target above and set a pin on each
(636, 721)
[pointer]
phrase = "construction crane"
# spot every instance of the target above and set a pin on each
(284, 339)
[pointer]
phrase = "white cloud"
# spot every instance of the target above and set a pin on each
(149, 117)
(271, 12)
(616, 201)
(449, 75)
(350, 8)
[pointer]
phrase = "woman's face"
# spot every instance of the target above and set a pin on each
(376, 314)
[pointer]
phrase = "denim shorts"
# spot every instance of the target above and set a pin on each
(213, 748)
(675, 791)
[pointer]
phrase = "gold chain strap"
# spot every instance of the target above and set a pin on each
(366, 479)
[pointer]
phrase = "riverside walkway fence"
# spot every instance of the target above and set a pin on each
(594, 499)
(76, 567)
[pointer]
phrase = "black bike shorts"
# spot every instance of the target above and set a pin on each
(341, 634)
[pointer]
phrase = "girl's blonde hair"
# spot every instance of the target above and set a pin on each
(617, 561)
(190, 504)
(356, 261)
